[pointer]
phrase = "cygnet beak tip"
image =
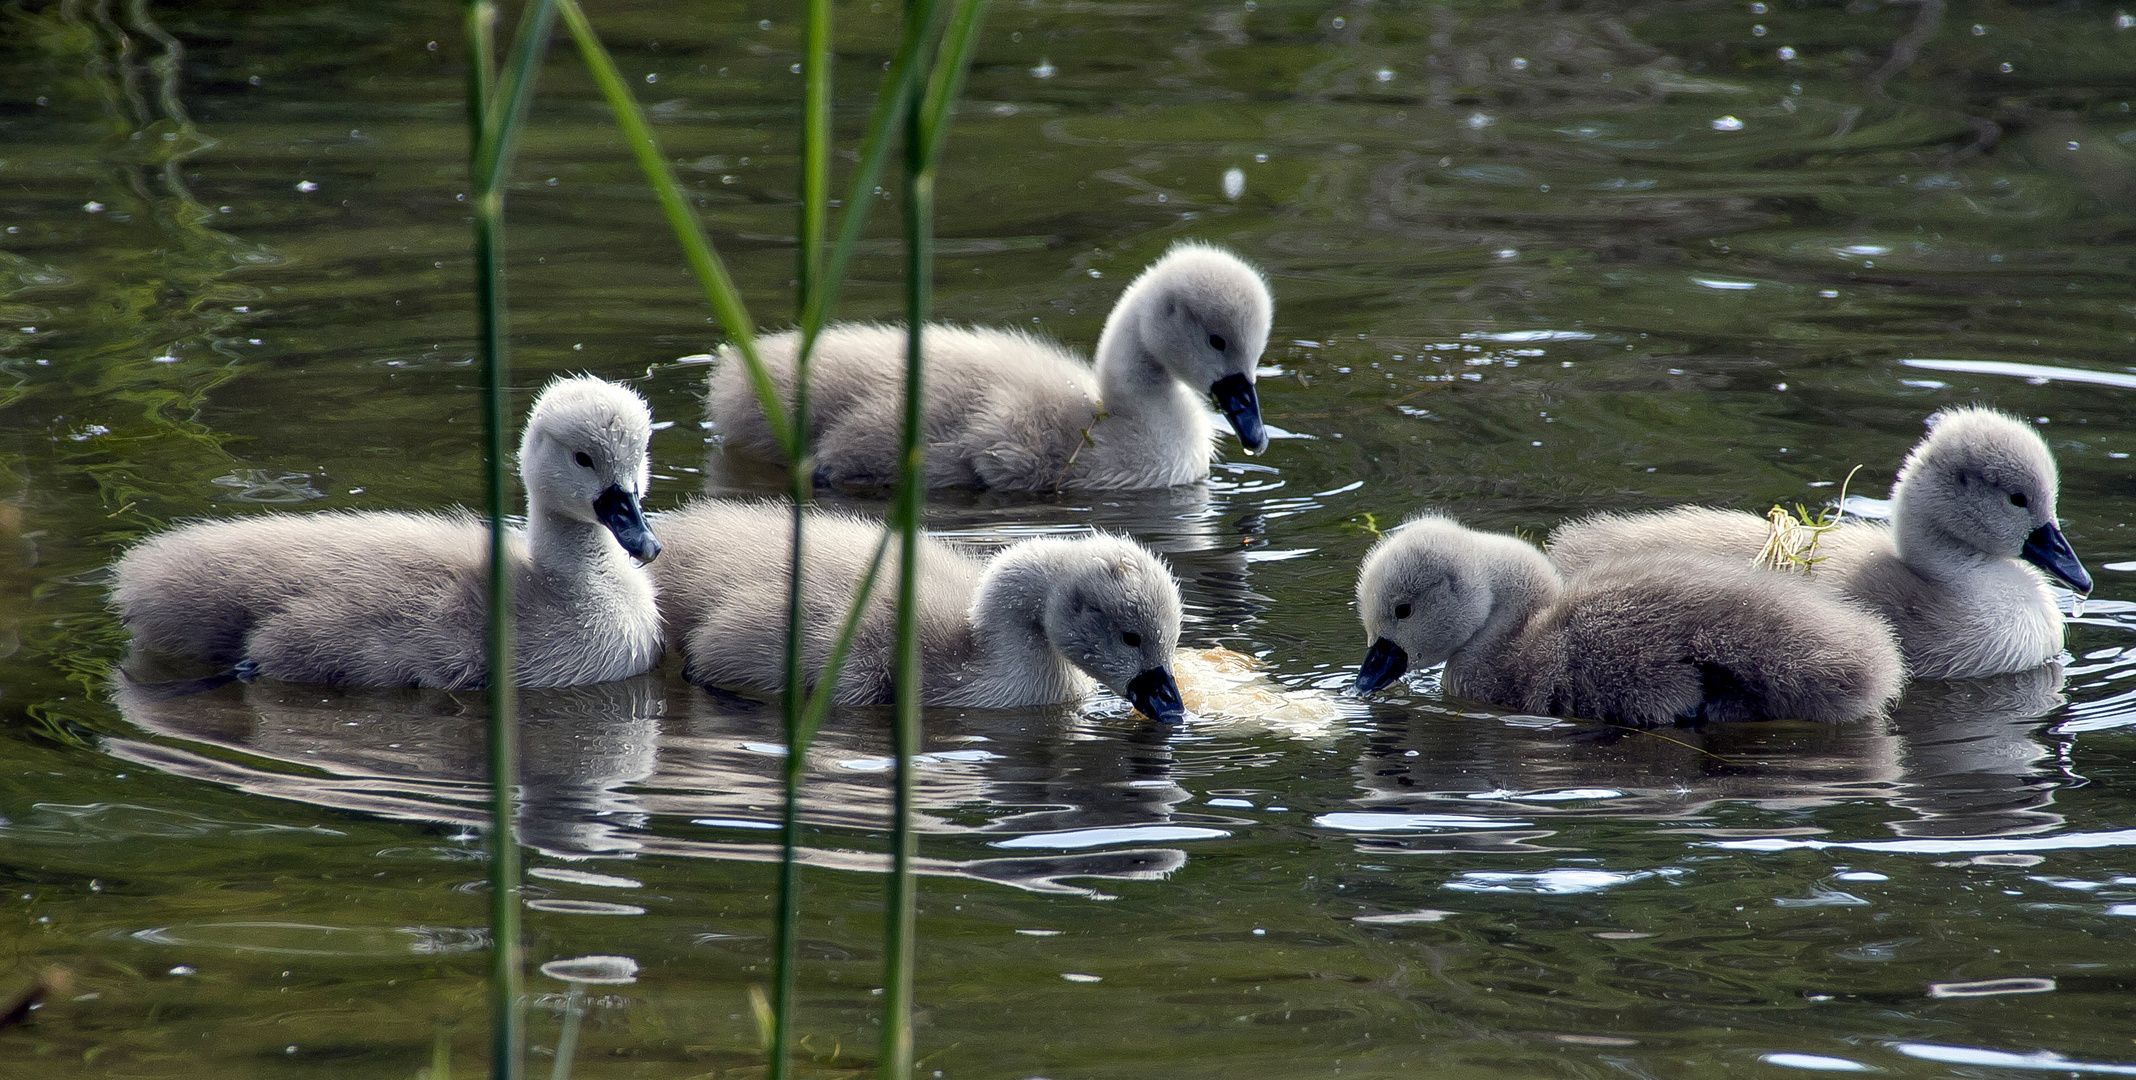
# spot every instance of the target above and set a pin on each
(1241, 404)
(1384, 662)
(2049, 550)
(618, 510)
(1155, 695)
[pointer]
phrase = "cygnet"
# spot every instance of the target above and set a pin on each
(1656, 639)
(1010, 411)
(401, 599)
(1975, 497)
(1033, 625)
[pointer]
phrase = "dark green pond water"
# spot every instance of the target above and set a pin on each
(1531, 259)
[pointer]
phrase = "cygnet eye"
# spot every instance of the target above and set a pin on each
(584, 459)
(1131, 639)
(1216, 341)
(2017, 498)
(1401, 611)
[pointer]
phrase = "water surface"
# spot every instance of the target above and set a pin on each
(1531, 261)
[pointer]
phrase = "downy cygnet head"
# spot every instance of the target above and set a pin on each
(1987, 482)
(1204, 314)
(1113, 611)
(1428, 589)
(584, 457)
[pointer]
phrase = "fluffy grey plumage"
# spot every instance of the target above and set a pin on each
(393, 599)
(1009, 411)
(1644, 640)
(1973, 499)
(1031, 626)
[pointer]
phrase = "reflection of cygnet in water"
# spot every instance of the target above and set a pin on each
(577, 748)
(393, 599)
(419, 754)
(1972, 760)
(1045, 764)
(1009, 411)
(1974, 497)
(1434, 780)
(1955, 759)
(1036, 770)
(1033, 625)
(1644, 641)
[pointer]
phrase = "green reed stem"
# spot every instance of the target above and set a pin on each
(819, 700)
(885, 121)
(816, 300)
(815, 211)
(505, 111)
(815, 152)
(494, 116)
(892, 105)
(894, 1061)
(567, 1039)
(820, 274)
(705, 263)
(946, 81)
(441, 1055)
(925, 131)
(481, 72)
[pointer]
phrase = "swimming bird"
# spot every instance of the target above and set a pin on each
(1973, 506)
(1033, 625)
(1008, 410)
(401, 599)
(1641, 640)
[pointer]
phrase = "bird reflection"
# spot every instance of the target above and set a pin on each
(422, 753)
(1026, 770)
(653, 766)
(1971, 756)
(1956, 759)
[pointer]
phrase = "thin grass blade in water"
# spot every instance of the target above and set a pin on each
(925, 131)
(705, 263)
(495, 114)
(815, 211)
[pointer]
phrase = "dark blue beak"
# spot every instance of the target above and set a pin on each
(1156, 696)
(1384, 662)
(2049, 550)
(619, 510)
(1235, 395)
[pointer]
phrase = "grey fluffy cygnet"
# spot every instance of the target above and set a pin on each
(1643, 641)
(1973, 506)
(1010, 411)
(1033, 625)
(401, 599)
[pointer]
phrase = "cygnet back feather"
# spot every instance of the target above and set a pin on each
(1643, 641)
(1033, 625)
(1010, 411)
(1958, 571)
(401, 599)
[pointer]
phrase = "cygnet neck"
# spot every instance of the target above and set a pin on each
(1926, 546)
(1133, 382)
(1520, 586)
(1012, 659)
(558, 542)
